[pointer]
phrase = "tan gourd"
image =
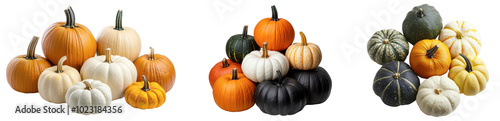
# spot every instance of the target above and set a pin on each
(124, 41)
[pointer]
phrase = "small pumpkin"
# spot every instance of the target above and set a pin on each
(388, 45)
(69, 39)
(277, 32)
(55, 81)
(234, 92)
(422, 22)
(396, 84)
(461, 37)
(316, 81)
(257, 63)
(283, 96)
(157, 68)
(145, 94)
(222, 68)
(88, 93)
(124, 41)
(438, 96)
(115, 71)
(240, 45)
(469, 73)
(304, 56)
(23, 70)
(430, 58)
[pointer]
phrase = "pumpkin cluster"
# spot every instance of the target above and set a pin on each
(454, 52)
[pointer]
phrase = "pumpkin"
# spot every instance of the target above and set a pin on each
(387, 45)
(430, 58)
(303, 56)
(438, 96)
(124, 41)
(234, 92)
(422, 22)
(461, 37)
(222, 68)
(277, 32)
(283, 96)
(88, 93)
(469, 73)
(258, 64)
(115, 71)
(316, 81)
(55, 81)
(145, 94)
(157, 68)
(396, 84)
(240, 45)
(69, 39)
(23, 70)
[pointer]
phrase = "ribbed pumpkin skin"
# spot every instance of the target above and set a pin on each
(160, 70)
(240, 45)
(138, 98)
(461, 37)
(284, 98)
(438, 96)
(234, 95)
(304, 56)
(316, 81)
(22, 73)
(426, 67)
(54, 83)
(277, 32)
(125, 43)
(470, 83)
(219, 70)
(387, 45)
(427, 26)
(396, 91)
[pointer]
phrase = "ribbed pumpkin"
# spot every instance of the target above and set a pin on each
(240, 45)
(388, 45)
(23, 71)
(469, 73)
(234, 92)
(316, 81)
(422, 22)
(157, 68)
(461, 37)
(124, 41)
(55, 81)
(258, 64)
(88, 93)
(145, 95)
(430, 58)
(69, 39)
(438, 96)
(277, 32)
(303, 56)
(222, 68)
(396, 84)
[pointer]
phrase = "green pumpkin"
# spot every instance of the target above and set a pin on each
(423, 22)
(240, 45)
(387, 45)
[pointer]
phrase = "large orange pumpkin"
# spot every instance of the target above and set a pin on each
(224, 67)
(69, 39)
(234, 92)
(277, 32)
(430, 58)
(157, 68)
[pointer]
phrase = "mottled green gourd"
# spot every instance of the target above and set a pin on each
(422, 22)
(388, 45)
(240, 45)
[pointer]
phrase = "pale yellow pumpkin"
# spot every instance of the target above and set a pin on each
(124, 41)
(303, 56)
(55, 81)
(469, 73)
(461, 37)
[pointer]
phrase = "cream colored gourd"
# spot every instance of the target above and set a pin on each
(56, 80)
(260, 65)
(124, 41)
(469, 73)
(303, 56)
(89, 92)
(115, 71)
(461, 37)
(438, 96)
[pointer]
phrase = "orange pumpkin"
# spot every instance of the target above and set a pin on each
(430, 58)
(69, 39)
(145, 95)
(23, 71)
(157, 68)
(234, 92)
(277, 32)
(224, 67)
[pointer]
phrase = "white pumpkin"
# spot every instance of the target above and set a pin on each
(261, 65)
(115, 71)
(438, 96)
(89, 92)
(461, 37)
(124, 41)
(56, 80)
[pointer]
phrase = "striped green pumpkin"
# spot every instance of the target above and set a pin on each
(240, 45)
(396, 84)
(387, 45)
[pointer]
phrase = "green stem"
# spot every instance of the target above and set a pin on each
(468, 67)
(431, 52)
(275, 13)
(118, 22)
(70, 18)
(146, 84)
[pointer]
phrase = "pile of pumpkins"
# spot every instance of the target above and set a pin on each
(264, 77)
(110, 76)
(455, 52)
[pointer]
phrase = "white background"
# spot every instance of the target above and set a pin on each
(192, 33)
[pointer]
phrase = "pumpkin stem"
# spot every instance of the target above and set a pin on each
(438, 91)
(303, 37)
(70, 18)
(60, 64)
(275, 13)
(279, 78)
(31, 48)
(264, 50)
(420, 12)
(468, 67)
(386, 41)
(245, 31)
(118, 22)
(459, 34)
(87, 85)
(396, 75)
(235, 74)
(224, 63)
(108, 56)
(145, 88)
(430, 52)
(152, 54)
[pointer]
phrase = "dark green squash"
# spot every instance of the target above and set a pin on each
(387, 45)
(396, 84)
(423, 22)
(316, 81)
(240, 45)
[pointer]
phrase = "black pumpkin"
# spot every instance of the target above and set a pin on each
(423, 22)
(316, 81)
(396, 84)
(240, 45)
(387, 45)
(283, 96)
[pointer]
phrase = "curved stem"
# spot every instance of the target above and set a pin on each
(87, 85)
(31, 48)
(235, 74)
(118, 22)
(224, 63)
(60, 64)
(431, 52)
(468, 67)
(420, 12)
(275, 13)
(152, 54)
(245, 31)
(264, 51)
(70, 18)
(108, 56)
(280, 79)
(146, 84)
(438, 91)
(459, 34)
(303, 38)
